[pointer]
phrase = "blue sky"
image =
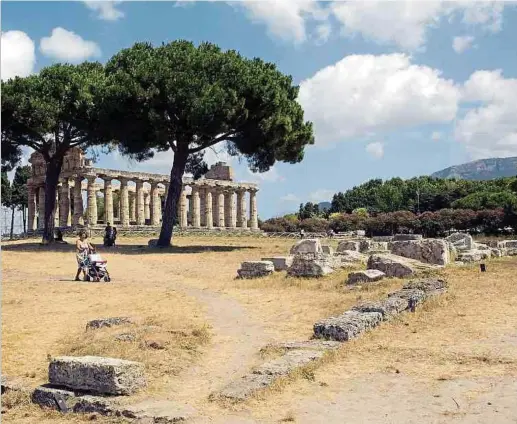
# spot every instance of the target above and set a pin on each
(393, 88)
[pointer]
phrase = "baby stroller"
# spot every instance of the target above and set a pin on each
(97, 269)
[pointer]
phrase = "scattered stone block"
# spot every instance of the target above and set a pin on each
(511, 251)
(507, 244)
(481, 246)
(427, 285)
(461, 241)
(431, 251)
(107, 322)
(385, 239)
(397, 266)
(125, 337)
(307, 246)
(255, 269)
(308, 345)
(244, 387)
(10, 384)
(360, 233)
(474, 255)
(368, 276)
(351, 256)
(388, 308)
(407, 237)
(157, 411)
(97, 374)
(311, 265)
(346, 326)
(281, 263)
(288, 362)
(496, 253)
(347, 246)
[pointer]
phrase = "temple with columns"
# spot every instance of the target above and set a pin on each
(135, 199)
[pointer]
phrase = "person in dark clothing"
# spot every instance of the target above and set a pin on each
(108, 235)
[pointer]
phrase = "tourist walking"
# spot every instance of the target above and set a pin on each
(83, 249)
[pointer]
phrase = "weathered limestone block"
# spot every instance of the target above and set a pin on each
(308, 345)
(157, 411)
(461, 241)
(107, 322)
(351, 256)
(307, 246)
(360, 233)
(385, 239)
(255, 269)
(244, 387)
(406, 237)
(97, 374)
(288, 362)
(469, 256)
(47, 396)
(431, 251)
(496, 253)
(281, 263)
(347, 246)
(507, 244)
(511, 252)
(346, 326)
(388, 308)
(368, 276)
(416, 296)
(10, 384)
(397, 266)
(427, 285)
(481, 246)
(327, 250)
(309, 265)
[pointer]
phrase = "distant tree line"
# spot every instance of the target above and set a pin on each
(425, 205)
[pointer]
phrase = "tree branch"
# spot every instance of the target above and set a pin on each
(216, 140)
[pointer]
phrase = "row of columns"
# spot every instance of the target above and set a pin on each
(207, 207)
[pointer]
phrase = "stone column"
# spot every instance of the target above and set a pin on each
(208, 208)
(190, 209)
(183, 209)
(229, 217)
(202, 205)
(132, 206)
(108, 201)
(64, 203)
(78, 218)
(147, 206)
(41, 208)
(124, 203)
(242, 222)
(220, 204)
(155, 205)
(56, 208)
(92, 201)
(196, 218)
(253, 210)
(140, 207)
(31, 208)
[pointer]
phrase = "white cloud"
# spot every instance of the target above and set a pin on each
(364, 94)
(489, 129)
(462, 43)
(67, 45)
(375, 149)
(290, 198)
(18, 55)
(106, 9)
(323, 33)
(436, 135)
(321, 195)
(286, 19)
(488, 14)
(270, 176)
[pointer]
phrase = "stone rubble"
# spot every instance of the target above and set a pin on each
(327, 250)
(97, 374)
(406, 237)
(308, 345)
(107, 322)
(288, 362)
(255, 269)
(347, 246)
(307, 246)
(368, 276)
(312, 265)
(397, 266)
(388, 308)
(431, 251)
(346, 326)
(461, 241)
(351, 256)
(281, 263)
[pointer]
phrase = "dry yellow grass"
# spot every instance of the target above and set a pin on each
(213, 326)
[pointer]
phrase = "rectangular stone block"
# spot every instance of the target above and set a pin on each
(107, 322)
(368, 276)
(244, 387)
(97, 374)
(281, 263)
(387, 307)
(404, 237)
(288, 362)
(346, 326)
(255, 269)
(309, 345)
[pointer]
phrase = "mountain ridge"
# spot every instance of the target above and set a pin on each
(482, 169)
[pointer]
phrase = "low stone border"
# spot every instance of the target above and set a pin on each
(329, 334)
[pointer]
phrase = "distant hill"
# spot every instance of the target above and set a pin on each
(484, 169)
(324, 205)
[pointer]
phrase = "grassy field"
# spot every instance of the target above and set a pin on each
(196, 328)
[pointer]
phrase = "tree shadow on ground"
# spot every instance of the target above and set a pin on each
(124, 249)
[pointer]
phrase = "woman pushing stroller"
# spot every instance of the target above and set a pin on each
(83, 249)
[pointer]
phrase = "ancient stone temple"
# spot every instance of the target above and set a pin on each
(133, 199)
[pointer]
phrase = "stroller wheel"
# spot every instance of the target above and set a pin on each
(107, 279)
(87, 278)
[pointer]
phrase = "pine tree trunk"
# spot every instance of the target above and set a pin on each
(170, 213)
(12, 222)
(51, 182)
